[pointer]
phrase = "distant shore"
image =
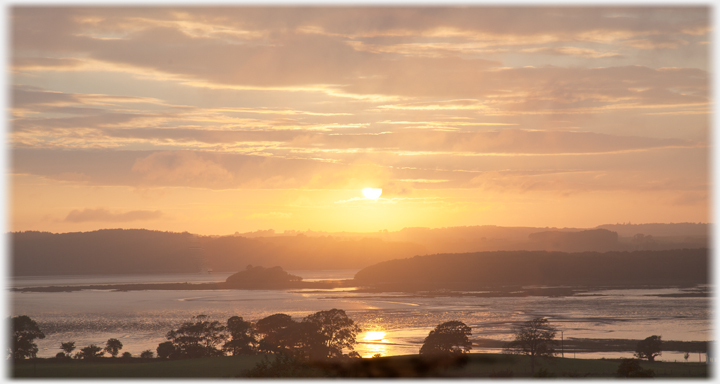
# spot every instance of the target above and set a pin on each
(326, 284)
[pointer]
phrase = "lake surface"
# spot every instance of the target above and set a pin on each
(140, 319)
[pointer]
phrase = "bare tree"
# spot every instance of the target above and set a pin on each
(533, 338)
(68, 347)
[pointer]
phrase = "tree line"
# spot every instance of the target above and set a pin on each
(469, 271)
(322, 336)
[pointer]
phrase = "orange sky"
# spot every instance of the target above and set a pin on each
(225, 119)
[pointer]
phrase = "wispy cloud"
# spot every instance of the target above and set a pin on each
(105, 215)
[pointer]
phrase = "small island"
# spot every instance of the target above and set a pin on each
(262, 278)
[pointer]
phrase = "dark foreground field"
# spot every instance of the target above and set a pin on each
(477, 365)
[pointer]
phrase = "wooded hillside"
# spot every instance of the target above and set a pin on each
(523, 268)
(118, 251)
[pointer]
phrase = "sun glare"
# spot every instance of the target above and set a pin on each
(372, 193)
(374, 336)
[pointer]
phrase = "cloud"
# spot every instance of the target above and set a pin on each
(23, 96)
(316, 48)
(46, 63)
(199, 169)
(437, 105)
(555, 88)
(572, 51)
(329, 58)
(656, 42)
(568, 182)
(506, 141)
(182, 168)
(398, 174)
(104, 215)
(95, 119)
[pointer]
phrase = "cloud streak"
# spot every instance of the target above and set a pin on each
(106, 216)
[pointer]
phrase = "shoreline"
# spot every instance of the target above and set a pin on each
(325, 286)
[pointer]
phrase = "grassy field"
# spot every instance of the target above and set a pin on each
(211, 367)
(478, 365)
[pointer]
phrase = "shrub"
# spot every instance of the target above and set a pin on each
(632, 368)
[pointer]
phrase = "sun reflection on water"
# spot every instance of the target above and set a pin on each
(374, 343)
(372, 336)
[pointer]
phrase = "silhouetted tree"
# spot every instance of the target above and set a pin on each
(113, 347)
(319, 336)
(198, 339)
(92, 351)
(449, 338)
(146, 354)
(632, 368)
(533, 338)
(126, 355)
(337, 332)
(68, 347)
(649, 348)
(277, 333)
(243, 337)
(307, 341)
(165, 350)
(25, 331)
(283, 335)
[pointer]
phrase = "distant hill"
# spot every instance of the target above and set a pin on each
(108, 251)
(121, 251)
(628, 237)
(525, 268)
(692, 230)
(594, 239)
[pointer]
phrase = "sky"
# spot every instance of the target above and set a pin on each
(242, 118)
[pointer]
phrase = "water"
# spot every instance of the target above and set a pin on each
(140, 319)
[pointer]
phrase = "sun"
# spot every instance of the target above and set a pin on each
(372, 193)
